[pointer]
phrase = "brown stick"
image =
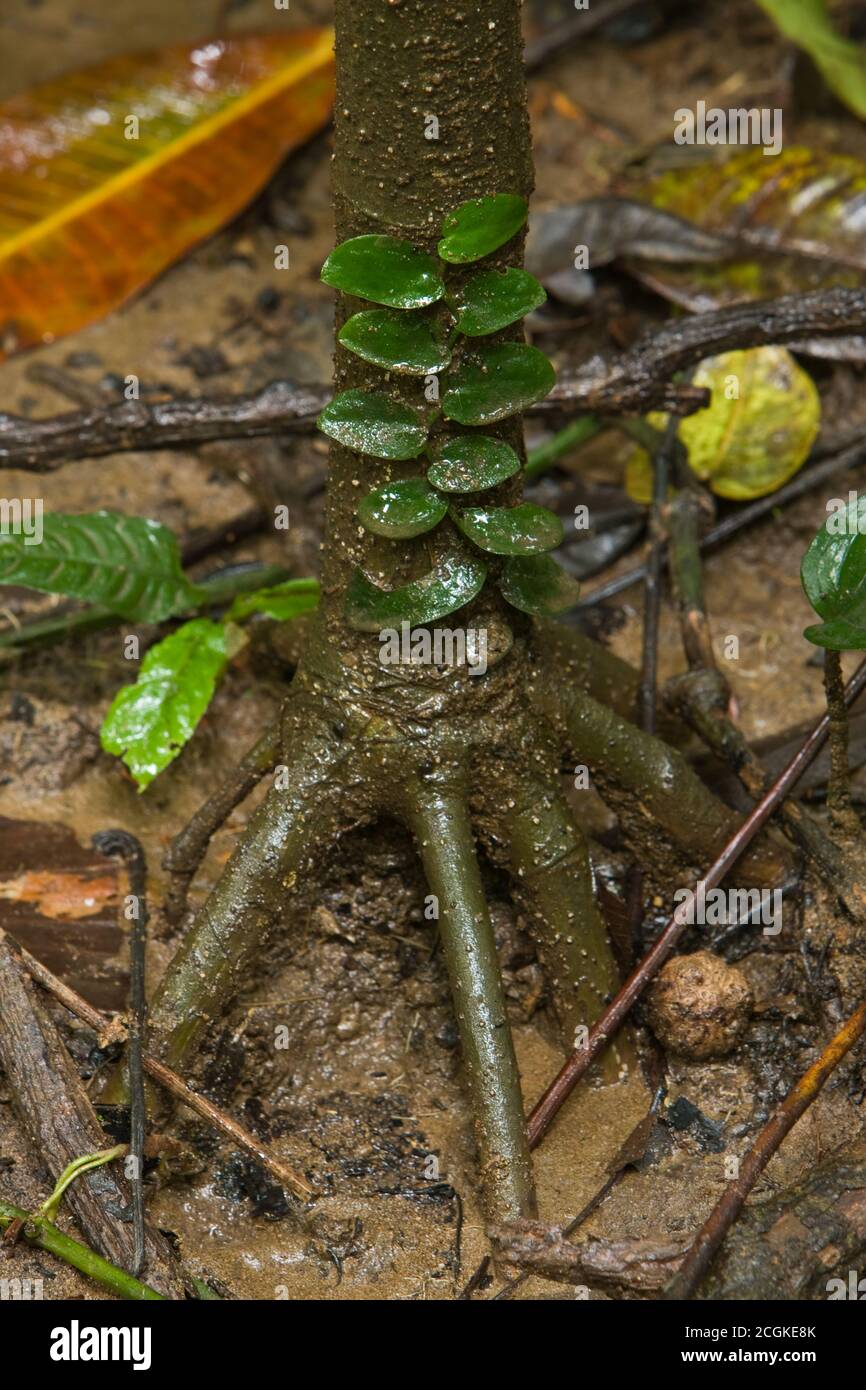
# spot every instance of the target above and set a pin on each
(602, 1031)
(728, 1207)
(164, 1075)
(62, 1125)
(638, 381)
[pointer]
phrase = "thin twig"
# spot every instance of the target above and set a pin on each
(607, 1025)
(637, 381)
(129, 849)
(98, 1022)
(726, 1210)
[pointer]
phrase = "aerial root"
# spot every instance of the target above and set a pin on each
(188, 848)
(553, 879)
(439, 817)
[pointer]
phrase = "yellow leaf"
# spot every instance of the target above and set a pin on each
(109, 175)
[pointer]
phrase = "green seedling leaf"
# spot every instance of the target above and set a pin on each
(282, 602)
(454, 581)
(498, 381)
(471, 463)
(536, 584)
(834, 578)
(149, 722)
(373, 424)
(522, 530)
(482, 225)
(385, 270)
(493, 299)
(401, 342)
(126, 564)
(398, 510)
(840, 61)
(757, 431)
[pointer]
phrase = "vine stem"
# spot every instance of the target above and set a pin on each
(43, 1235)
(843, 817)
(578, 1063)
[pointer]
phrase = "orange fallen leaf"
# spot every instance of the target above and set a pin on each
(110, 174)
(69, 896)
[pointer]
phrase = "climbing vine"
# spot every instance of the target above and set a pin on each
(428, 327)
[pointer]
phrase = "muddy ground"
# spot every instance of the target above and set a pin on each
(365, 1094)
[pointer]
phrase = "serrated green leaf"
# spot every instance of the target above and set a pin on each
(493, 299)
(471, 463)
(126, 564)
(282, 601)
(454, 581)
(536, 584)
(402, 509)
(482, 225)
(386, 270)
(522, 530)
(833, 573)
(400, 342)
(371, 423)
(498, 381)
(149, 722)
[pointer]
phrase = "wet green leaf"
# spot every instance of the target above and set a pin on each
(149, 722)
(385, 270)
(834, 578)
(281, 601)
(373, 424)
(493, 299)
(401, 342)
(523, 530)
(754, 435)
(498, 381)
(841, 62)
(471, 463)
(480, 226)
(402, 509)
(536, 584)
(126, 564)
(454, 581)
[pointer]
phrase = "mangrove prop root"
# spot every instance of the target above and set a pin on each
(442, 828)
(62, 1124)
(553, 879)
(188, 848)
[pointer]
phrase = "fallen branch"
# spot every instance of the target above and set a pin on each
(613, 1016)
(164, 1075)
(62, 1125)
(638, 381)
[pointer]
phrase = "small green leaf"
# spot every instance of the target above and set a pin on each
(149, 722)
(398, 510)
(126, 564)
(471, 463)
(372, 424)
(385, 270)
(480, 226)
(454, 581)
(522, 530)
(401, 342)
(839, 60)
(282, 601)
(834, 578)
(536, 584)
(498, 381)
(493, 299)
